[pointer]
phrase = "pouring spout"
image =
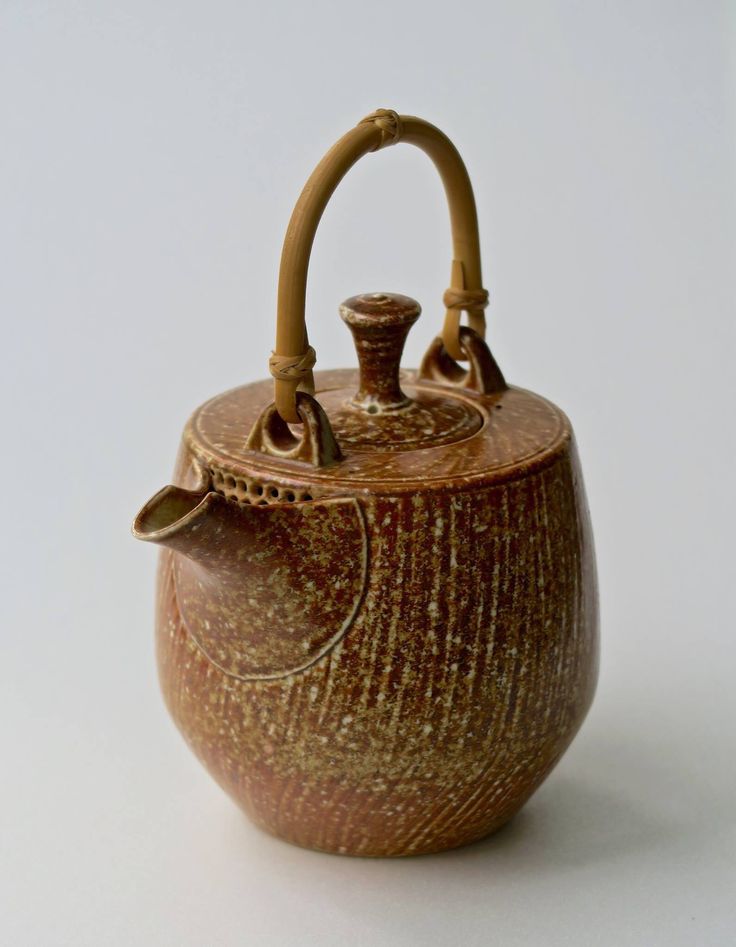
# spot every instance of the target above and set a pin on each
(202, 525)
(192, 522)
(169, 513)
(264, 590)
(164, 514)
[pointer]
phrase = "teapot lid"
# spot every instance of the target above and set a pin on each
(385, 428)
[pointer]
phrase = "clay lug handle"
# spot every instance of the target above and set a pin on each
(316, 444)
(483, 374)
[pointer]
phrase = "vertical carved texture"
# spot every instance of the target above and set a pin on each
(465, 675)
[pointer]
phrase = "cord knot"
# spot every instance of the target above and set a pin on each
(389, 124)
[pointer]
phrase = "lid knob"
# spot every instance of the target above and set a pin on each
(380, 323)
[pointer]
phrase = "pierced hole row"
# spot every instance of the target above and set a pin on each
(253, 491)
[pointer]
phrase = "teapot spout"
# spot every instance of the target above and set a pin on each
(173, 516)
(264, 590)
(163, 514)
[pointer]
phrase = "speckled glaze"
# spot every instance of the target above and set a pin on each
(386, 654)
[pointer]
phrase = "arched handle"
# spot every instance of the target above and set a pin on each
(293, 358)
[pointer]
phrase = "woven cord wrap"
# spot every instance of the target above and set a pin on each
(389, 122)
(292, 367)
(457, 300)
(465, 299)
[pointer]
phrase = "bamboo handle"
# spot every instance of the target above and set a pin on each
(293, 358)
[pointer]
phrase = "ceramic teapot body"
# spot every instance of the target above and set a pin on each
(378, 633)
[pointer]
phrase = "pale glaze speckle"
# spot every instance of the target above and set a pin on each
(519, 430)
(441, 681)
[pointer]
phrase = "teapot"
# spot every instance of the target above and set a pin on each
(377, 619)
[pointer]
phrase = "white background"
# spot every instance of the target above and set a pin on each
(151, 154)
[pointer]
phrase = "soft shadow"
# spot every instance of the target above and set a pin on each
(609, 799)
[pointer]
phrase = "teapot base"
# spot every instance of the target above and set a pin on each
(386, 852)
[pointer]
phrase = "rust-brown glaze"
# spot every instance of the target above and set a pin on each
(377, 616)
(385, 654)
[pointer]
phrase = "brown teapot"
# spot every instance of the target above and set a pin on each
(377, 610)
